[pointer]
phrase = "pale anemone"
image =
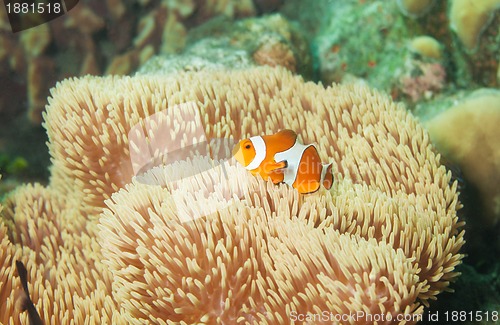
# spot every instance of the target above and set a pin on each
(67, 281)
(384, 240)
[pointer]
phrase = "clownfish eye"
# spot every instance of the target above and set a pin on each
(247, 146)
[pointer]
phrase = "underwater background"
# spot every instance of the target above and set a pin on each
(440, 59)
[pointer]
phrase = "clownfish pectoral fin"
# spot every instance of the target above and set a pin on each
(274, 166)
(282, 164)
(327, 176)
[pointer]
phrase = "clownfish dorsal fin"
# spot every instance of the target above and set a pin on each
(278, 142)
(288, 135)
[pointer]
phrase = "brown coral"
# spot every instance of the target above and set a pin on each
(384, 240)
(110, 37)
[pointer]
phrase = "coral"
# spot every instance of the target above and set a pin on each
(340, 33)
(385, 239)
(115, 37)
(268, 5)
(475, 50)
(428, 78)
(415, 8)
(229, 8)
(275, 54)
(173, 36)
(427, 46)
(222, 43)
(468, 18)
(41, 72)
(213, 59)
(34, 41)
(467, 133)
(84, 19)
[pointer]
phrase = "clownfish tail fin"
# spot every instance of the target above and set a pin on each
(327, 176)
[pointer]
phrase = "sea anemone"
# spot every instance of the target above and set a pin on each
(384, 240)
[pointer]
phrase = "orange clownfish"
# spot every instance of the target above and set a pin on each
(283, 159)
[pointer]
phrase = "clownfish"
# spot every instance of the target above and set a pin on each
(283, 159)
